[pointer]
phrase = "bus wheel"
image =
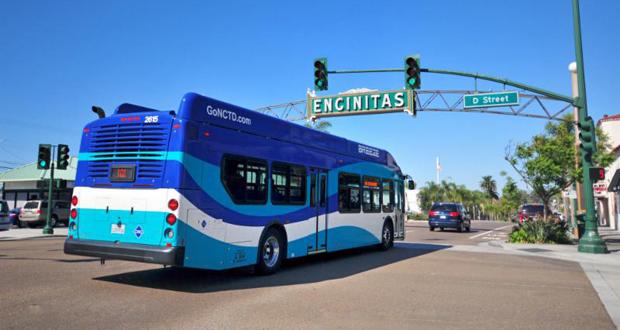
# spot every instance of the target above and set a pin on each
(271, 252)
(387, 236)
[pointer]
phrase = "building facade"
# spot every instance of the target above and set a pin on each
(26, 183)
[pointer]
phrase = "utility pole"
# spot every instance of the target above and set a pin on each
(48, 229)
(578, 202)
(590, 241)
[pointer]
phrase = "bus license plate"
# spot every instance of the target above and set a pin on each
(116, 229)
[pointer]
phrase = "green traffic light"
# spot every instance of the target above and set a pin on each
(42, 163)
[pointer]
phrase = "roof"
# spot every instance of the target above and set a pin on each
(609, 118)
(30, 172)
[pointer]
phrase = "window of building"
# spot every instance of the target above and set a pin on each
(245, 179)
(288, 184)
(348, 193)
(371, 198)
(388, 195)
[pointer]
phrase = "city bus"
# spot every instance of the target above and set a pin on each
(216, 186)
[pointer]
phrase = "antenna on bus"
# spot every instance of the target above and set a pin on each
(100, 113)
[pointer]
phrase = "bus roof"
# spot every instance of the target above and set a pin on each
(200, 108)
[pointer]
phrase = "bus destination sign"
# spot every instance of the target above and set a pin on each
(371, 102)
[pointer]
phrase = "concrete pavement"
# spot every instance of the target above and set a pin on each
(414, 285)
(26, 233)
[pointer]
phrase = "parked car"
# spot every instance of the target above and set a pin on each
(14, 216)
(34, 213)
(529, 212)
(5, 221)
(449, 215)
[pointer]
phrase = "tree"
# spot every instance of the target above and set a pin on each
(547, 163)
(319, 125)
(489, 186)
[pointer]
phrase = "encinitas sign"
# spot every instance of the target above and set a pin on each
(361, 103)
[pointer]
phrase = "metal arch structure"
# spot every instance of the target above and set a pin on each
(535, 106)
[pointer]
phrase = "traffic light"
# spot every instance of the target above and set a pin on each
(62, 157)
(586, 138)
(597, 174)
(45, 156)
(320, 74)
(412, 72)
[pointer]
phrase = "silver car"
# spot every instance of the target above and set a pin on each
(34, 213)
(5, 221)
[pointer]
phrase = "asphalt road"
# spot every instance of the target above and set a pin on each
(481, 231)
(408, 286)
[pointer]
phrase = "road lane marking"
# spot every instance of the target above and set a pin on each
(490, 231)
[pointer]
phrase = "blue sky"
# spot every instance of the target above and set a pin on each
(59, 58)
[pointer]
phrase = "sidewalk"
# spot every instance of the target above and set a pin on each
(26, 233)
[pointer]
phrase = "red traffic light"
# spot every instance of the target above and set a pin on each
(597, 173)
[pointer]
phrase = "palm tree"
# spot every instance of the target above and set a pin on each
(319, 125)
(489, 186)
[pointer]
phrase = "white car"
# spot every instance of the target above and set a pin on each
(5, 221)
(34, 213)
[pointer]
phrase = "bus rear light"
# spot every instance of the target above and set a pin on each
(169, 233)
(173, 204)
(70, 236)
(74, 200)
(73, 225)
(168, 244)
(171, 219)
(73, 213)
(86, 130)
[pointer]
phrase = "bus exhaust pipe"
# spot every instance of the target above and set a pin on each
(99, 111)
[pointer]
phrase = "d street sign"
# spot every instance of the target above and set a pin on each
(483, 100)
(361, 103)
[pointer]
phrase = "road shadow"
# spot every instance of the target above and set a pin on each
(4, 257)
(304, 270)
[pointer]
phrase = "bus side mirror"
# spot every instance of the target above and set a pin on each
(410, 184)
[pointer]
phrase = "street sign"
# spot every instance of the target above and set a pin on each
(484, 100)
(361, 103)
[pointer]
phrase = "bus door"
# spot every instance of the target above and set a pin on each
(401, 214)
(318, 201)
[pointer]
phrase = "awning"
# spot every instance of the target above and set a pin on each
(614, 184)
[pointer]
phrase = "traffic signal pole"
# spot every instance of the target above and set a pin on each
(48, 229)
(590, 241)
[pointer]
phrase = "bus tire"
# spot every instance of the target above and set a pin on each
(387, 236)
(271, 251)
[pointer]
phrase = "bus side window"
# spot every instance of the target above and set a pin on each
(348, 193)
(245, 179)
(388, 195)
(371, 195)
(288, 184)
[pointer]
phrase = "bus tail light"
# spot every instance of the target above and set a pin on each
(74, 200)
(171, 219)
(173, 204)
(169, 233)
(73, 213)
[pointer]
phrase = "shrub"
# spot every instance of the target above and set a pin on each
(540, 231)
(417, 216)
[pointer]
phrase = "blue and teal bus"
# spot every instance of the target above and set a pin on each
(217, 186)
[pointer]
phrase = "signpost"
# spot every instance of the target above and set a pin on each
(361, 103)
(484, 100)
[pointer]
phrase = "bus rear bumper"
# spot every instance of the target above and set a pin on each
(163, 255)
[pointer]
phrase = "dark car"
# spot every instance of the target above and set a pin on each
(14, 216)
(529, 212)
(449, 215)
